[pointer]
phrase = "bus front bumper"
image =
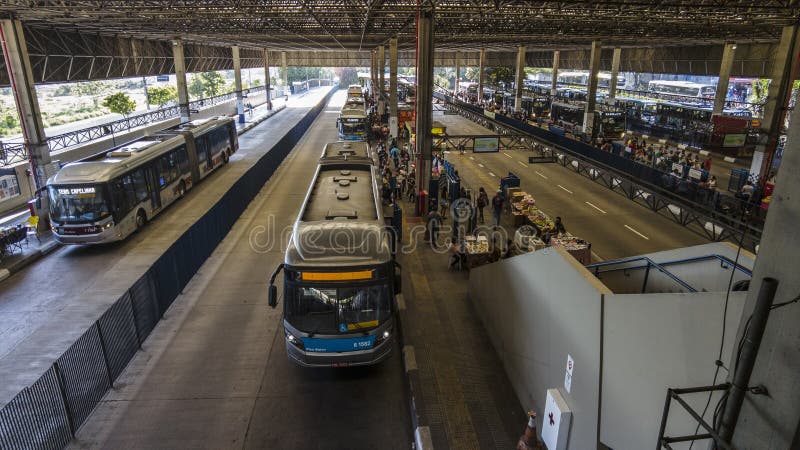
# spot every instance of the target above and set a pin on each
(341, 359)
(109, 235)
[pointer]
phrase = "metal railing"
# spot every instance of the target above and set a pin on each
(14, 152)
(714, 215)
(661, 267)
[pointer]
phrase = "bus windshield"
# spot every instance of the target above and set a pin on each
(352, 126)
(332, 310)
(78, 203)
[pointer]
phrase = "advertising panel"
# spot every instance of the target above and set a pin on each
(486, 145)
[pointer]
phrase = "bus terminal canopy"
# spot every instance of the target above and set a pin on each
(349, 25)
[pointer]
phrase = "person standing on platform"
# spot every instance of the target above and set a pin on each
(481, 202)
(433, 221)
(497, 207)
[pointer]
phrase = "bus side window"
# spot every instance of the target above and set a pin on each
(202, 148)
(129, 191)
(121, 206)
(183, 159)
(140, 186)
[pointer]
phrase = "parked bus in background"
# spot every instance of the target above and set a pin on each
(352, 122)
(354, 90)
(340, 279)
(108, 196)
(683, 88)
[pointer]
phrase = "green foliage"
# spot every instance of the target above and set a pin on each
(257, 82)
(89, 88)
(206, 84)
(119, 103)
(347, 76)
(471, 74)
(503, 74)
(759, 93)
(162, 95)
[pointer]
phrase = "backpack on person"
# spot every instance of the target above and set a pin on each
(482, 200)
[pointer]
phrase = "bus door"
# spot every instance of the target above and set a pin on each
(194, 163)
(153, 186)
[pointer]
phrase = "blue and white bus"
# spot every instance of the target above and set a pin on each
(352, 122)
(340, 278)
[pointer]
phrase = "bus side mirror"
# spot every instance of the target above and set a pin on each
(273, 296)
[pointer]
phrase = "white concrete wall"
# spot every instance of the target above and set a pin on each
(652, 342)
(704, 276)
(82, 151)
(537, 308)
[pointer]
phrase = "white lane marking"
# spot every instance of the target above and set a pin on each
(472, 158)
(522, 164)
(541, 174)
(595, 207)
(640, 234)
(480, 165)
(490, 173)
(507, 154)
(562, 187)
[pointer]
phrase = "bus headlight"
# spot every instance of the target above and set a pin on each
(386, 334)
(294, 341)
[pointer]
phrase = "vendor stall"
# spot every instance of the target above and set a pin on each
(575, 246)
(476, 250)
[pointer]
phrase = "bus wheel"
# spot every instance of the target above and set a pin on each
(141, 219)
(181, 189)
(225, 157)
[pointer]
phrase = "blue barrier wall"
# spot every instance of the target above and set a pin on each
(47, 414)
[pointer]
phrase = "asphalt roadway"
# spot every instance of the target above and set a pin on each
(214, 373)
(615, 226)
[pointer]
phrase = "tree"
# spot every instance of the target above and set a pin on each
(499, 75)
(120, 103)
(472, 73)
(256, 82)
(212, 83)
(206, 84)
(196, 87)
(162, 95)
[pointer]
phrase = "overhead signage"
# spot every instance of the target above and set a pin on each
(486, 145)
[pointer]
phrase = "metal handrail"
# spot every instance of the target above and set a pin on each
(721, 258)
(14, 152)
(650, 263)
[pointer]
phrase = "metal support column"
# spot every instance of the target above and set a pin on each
(780, 90)
(554, 83)
(285, 74)
(458, 73)
(612, 83)
(728, 54)
(237, 82)
(267, 81)
(481, 68)
(591, 91)
(20, 73)
(393, 119)
(519, 80)
(381, 68)
(424, 106)
(775, 415)
(180, 75)
(374, 75)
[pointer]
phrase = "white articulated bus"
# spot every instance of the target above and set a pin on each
(108, 196)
